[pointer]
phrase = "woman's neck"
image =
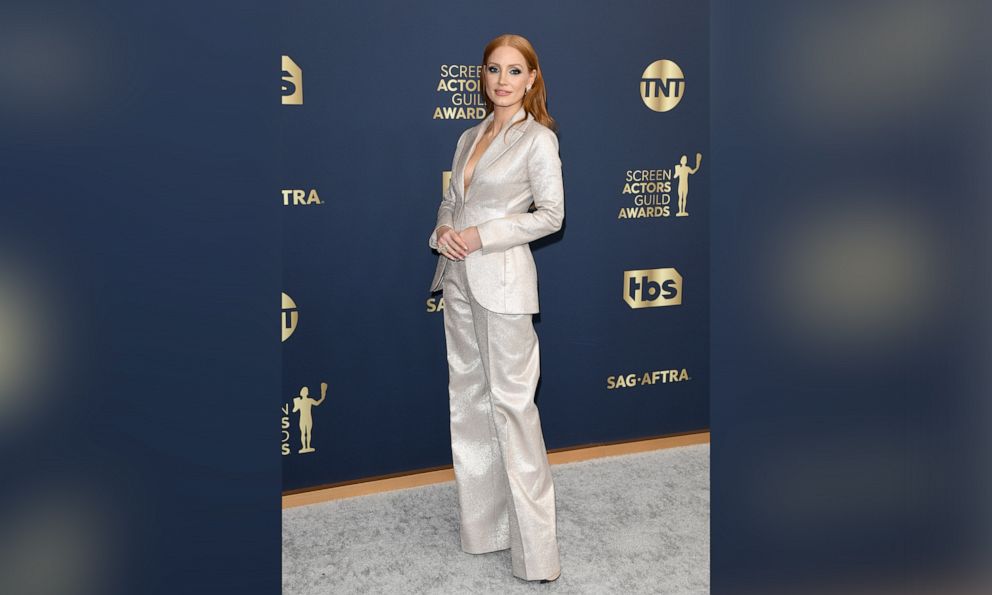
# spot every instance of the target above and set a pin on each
(503, 114)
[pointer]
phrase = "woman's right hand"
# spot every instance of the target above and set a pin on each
(450, 244)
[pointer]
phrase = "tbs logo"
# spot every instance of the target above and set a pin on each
(648, 288)
(292, 82)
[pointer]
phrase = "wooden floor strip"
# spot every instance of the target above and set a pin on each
(427, 477)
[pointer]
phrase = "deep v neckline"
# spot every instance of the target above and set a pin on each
(503, 134)
(466, 183)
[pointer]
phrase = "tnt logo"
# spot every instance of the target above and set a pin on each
(652, 287)
(300, 197)
(290, 316)
(292, 82)
(662, 85)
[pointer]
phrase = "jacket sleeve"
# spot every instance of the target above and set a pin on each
(447, 207)
(544, 173)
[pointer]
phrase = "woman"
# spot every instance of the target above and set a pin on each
(509, 160)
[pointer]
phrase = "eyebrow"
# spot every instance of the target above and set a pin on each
(497, 64)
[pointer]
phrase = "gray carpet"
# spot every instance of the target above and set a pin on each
(630, 524)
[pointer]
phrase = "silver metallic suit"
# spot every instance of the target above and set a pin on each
(505, 490)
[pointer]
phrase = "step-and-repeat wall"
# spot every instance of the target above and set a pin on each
(374, 96)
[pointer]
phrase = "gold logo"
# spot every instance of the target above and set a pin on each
(300, 197)
(651, 190)
(649, 378)
(649, 288)
(435, 304)
(662, 85)
(302, 404)
(458, 89)
(682, 172)
(292, 82)
(290, 316)
(445, 182)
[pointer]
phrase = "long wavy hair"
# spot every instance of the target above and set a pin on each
(535, 100)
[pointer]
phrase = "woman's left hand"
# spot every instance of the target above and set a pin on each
(471, 237)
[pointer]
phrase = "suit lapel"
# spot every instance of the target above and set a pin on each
(502, 143)
(459, 174)
(499, 145)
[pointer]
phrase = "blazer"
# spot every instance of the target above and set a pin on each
(519, 167)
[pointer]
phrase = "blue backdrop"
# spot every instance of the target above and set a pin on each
(362, 160)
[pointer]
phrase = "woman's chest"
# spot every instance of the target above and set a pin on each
(493, 167)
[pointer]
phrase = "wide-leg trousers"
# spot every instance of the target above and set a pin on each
(506, 495)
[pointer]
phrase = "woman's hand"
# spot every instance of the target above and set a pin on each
(471, 237)
(451, 244)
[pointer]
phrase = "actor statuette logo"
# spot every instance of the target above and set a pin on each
(662, 85)
(650, 190)
(459, 95)
(292, 82)
(649, 288)
(290, 316)
(303, 406)
(649, 378)
(298, 197)
(682, 172)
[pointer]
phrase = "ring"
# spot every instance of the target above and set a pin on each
(444, 247)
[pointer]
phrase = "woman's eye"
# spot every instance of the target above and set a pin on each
(493, 69)
(515, 71)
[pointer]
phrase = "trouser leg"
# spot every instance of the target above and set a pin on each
(497, 442)
(511, 359)
(480, 479)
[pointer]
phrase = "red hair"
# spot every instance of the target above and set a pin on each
(535, 100)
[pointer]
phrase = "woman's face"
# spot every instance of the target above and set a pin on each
(507, 76)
